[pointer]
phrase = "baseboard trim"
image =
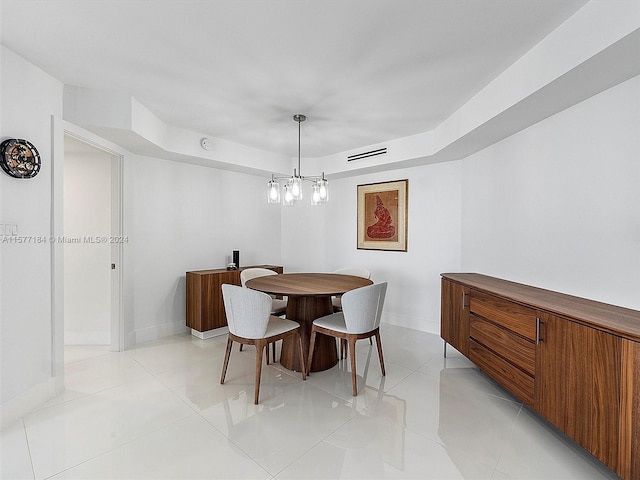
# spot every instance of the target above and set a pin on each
(216, 332)
(87, 338)
(158, 331)
(407, 321)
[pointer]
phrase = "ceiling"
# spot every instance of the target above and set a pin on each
(362, 71)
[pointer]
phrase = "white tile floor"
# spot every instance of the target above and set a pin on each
(158, 411)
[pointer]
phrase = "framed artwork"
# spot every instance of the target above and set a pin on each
(382, 216)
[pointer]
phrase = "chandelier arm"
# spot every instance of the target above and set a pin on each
(310, 178)
(299, 171)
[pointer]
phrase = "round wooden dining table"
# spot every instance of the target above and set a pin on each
(309, 297)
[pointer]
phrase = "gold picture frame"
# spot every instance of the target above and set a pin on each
(382, 216)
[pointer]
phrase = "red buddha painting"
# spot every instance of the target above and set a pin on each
(381, 212)
(382, 216)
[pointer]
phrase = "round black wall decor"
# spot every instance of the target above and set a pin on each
(20, 158)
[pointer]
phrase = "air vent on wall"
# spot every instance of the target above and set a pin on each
(371, 153)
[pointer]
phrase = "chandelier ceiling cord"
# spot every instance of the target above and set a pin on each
(292, 189)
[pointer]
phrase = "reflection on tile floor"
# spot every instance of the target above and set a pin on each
(158, 411)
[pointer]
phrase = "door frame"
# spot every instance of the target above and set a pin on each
(62, 128)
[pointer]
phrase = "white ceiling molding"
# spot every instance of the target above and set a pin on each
(126, 122)
(568, 66)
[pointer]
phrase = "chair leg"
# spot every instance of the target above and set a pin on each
(226, 360)
(303, 367)
(343, 348)
(273, 349)
(259, 352)
(240, 348)
(352, 354)
(379, 344)
(312, 344)
(274, 353)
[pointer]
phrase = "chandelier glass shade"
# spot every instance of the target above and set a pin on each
(292, 188)
(274, 191)
(320, 193)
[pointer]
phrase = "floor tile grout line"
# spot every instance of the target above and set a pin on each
(254, 460)
(133, 439)
(473, 379)
(84, 395)
(63, 402)
(26, 438)
(319, 442)
(106, 352)
(199, 412)
(72, 400)
(117, 447)
(501, 454)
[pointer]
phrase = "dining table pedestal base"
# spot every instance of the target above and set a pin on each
(304, 310)
(308, 298)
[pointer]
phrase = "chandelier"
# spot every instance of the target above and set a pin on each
(292, 188)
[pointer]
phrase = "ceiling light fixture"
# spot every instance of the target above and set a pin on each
(292, 189)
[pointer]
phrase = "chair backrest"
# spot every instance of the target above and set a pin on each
(355, 271)
(249, 273)
(247, 310)
(362, 307)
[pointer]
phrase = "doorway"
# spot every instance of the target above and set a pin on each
(91, 244)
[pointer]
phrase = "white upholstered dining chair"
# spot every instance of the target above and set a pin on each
(279, 306)
(356, 272)
(336, 301)
(251, 323)
(360, 318)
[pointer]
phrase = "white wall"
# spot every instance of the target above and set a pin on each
(304, 227)
(178, 217)
(413, 295)
(87, 271)
(29, 98)
(558, 204)
(181, 217)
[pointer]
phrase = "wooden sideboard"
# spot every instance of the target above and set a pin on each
(205, 307)
(574, 361)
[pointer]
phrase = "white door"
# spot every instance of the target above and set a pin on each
(88, 243)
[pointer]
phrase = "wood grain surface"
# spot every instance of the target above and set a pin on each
(309, 298)
(307, 284)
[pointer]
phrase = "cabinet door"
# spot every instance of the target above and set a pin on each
(630, 411)
(454, 315)
(204, 304)
(213, 302)
(577, 384)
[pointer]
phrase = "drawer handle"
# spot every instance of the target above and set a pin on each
(464, 300)
(539, 323)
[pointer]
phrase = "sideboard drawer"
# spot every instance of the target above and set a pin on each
(503, 372)
(505, 343)
(519, 319)
(583, 372)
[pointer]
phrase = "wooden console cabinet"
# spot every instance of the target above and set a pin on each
(205, 307)
(575, 361)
